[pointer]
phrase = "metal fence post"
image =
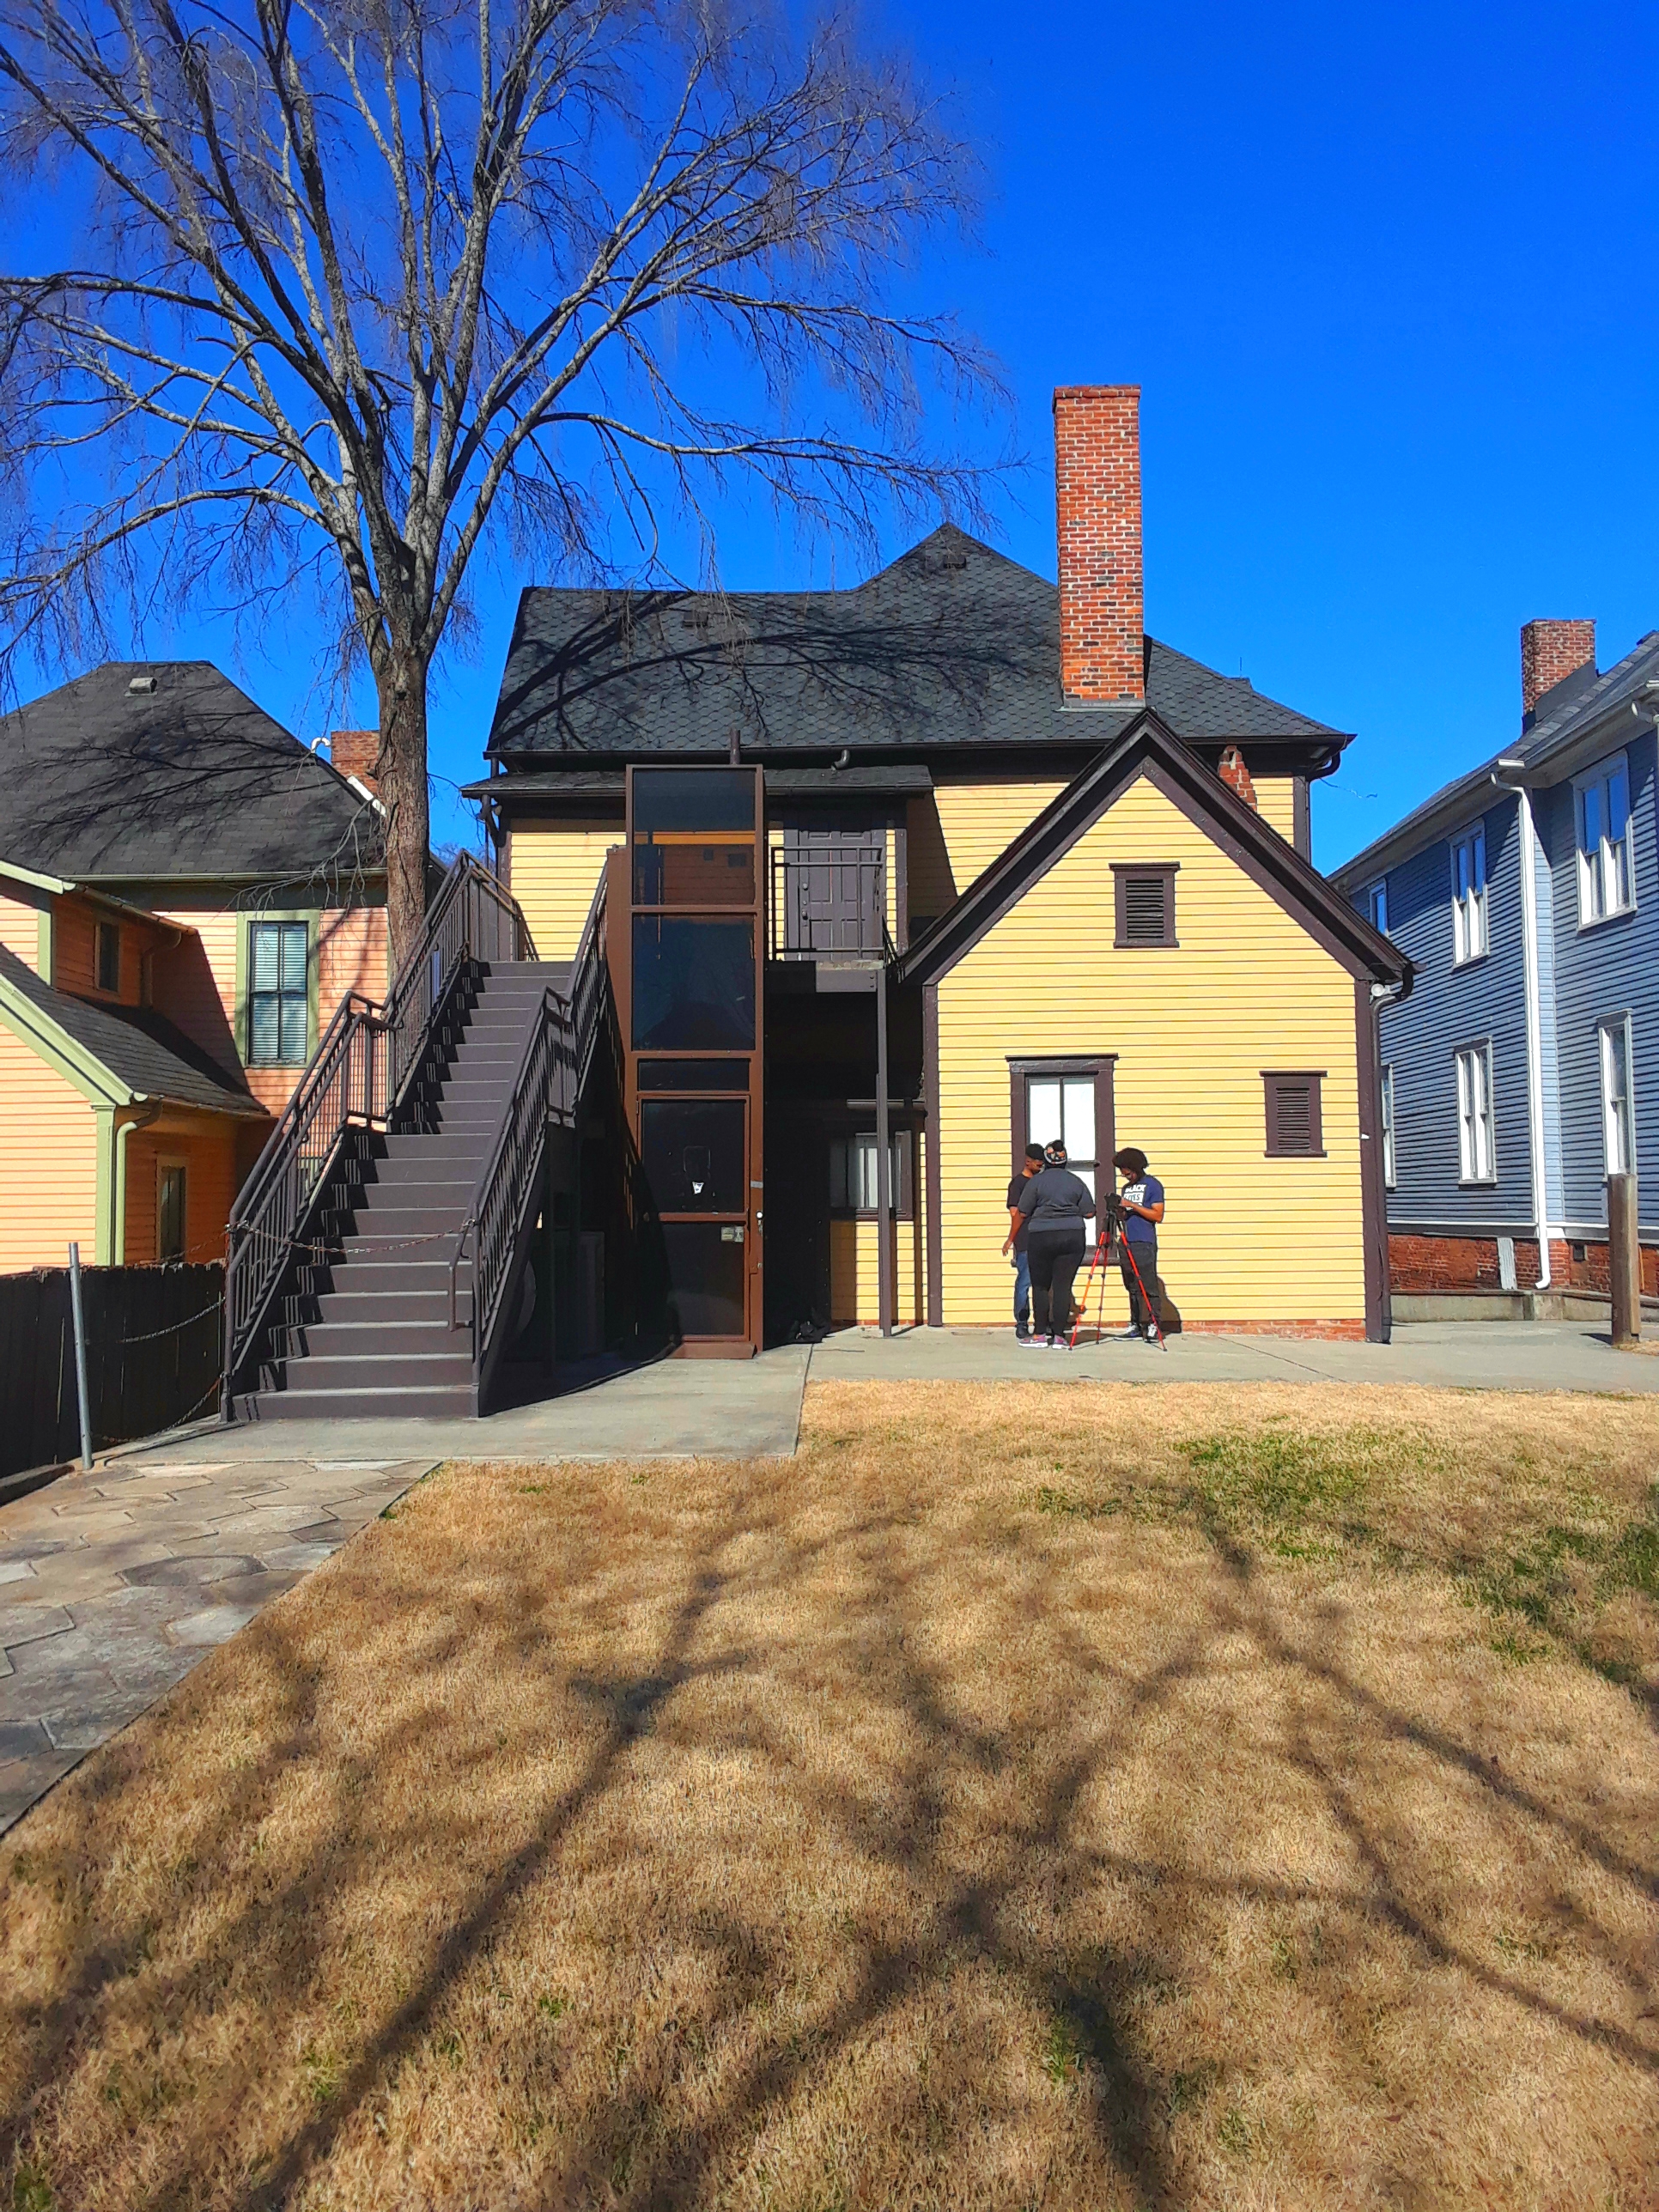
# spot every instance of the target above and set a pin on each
(1624, 1261)
(80, 1323)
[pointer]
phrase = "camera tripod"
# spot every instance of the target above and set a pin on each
(1097, 1260)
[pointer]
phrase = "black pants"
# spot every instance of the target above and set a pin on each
(1054, 1262)
(1141, 1315)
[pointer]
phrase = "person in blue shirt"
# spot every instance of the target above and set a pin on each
(1141, 1204)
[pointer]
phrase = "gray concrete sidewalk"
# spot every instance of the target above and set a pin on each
(1455, 1355)
(672, 1409)
(115, 1584)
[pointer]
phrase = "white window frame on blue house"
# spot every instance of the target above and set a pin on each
(1477, 1126)
(1614, 1052)
(1385, 1091)
(1600, 806)
(1470, 936)
(1376, 906)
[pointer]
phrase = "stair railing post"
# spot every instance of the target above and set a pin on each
(79, 1319)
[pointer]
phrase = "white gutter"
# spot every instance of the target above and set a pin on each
(1529, 849)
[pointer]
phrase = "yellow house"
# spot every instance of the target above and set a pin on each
(1020, 868)
(187, 893)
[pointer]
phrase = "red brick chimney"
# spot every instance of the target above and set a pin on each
(1097, 477)
(1234, 774)
(355, 752)
(1550, 653)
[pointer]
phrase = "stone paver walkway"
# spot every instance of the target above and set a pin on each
(115, 1584)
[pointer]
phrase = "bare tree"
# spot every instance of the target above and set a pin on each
(369, 287)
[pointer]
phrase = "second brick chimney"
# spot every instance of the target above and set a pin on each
(355, 752)
(1097, 479)
(1236, 777)
(1550, 653)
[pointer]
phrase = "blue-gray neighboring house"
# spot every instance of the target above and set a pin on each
(1524, 1069)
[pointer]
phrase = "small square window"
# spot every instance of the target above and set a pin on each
(107, 954)
(1294, 1119)
(1146, 904)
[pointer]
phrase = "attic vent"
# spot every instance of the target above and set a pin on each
(937, 563)
(1146, 904)
(144, 684)
(1293, 1117)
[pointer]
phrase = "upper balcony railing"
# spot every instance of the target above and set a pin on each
(829, 903)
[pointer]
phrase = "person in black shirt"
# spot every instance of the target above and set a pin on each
(1055, 1205)
(1015, 1243)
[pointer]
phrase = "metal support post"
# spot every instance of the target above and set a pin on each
(883, 1166)
(78, 1314)
(1624, 1263)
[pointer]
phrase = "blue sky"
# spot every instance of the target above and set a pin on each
(1388, 280)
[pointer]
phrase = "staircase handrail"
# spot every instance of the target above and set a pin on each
(473, 918)
(359, 1074)
(502, 1190)
(590, 976)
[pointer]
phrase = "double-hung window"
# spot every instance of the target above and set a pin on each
(1618, 1125)
(1477, 1155)
(1469, 938)
(1606, 885)
(1377, 906)
(278, 998)
(853, 1164)
(1386, 1090)
(1068, 1102)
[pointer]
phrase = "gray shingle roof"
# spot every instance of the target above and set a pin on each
(1567, 715)
(193, 778)
(142, 1048)
(952, 645)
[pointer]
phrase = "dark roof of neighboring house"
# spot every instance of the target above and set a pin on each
(1585, 713)
(951, 646)
(100, 782)
(142, 1048)
(1148, 748)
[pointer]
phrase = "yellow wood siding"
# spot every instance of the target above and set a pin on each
(19, 929)
(1246, 1238)
(553, 871)
(48, 1162)
(1275, 802)
(979, 820)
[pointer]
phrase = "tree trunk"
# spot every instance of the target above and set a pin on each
(403, 790)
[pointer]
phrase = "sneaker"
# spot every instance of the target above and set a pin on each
(1060, 1344)
(1026, 1343)
(1124, 1335)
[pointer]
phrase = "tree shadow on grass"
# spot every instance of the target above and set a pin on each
(888, 1850)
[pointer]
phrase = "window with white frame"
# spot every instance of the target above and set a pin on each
(1605, 883)
(1377, 906)
(1618, 1128)
(1386, 1098)
(1469, 939)
(1476, 1152)
(1061, 1108)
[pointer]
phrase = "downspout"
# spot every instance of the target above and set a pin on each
(117, 1239)
(1529, 849)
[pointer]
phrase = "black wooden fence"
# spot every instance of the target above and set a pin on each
(154, 1350)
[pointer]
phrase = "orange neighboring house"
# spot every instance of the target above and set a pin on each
(187, 893)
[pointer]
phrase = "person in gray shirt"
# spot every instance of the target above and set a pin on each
(1055, 1205)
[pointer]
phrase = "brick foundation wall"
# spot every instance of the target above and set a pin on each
(1470, 1263)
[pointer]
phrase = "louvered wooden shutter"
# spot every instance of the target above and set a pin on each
(1293, 1117)
(1146, 905)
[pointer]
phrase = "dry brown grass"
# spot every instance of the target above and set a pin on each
(991, 1807)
